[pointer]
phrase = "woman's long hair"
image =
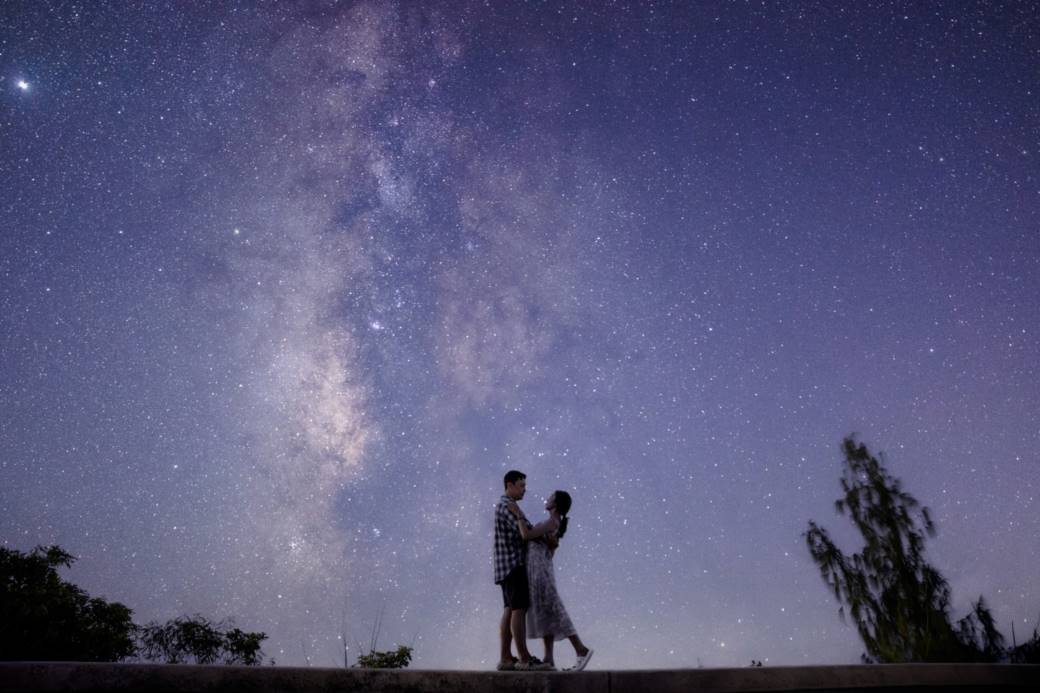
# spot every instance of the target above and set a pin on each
(563, 506)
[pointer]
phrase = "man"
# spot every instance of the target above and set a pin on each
(511, 573)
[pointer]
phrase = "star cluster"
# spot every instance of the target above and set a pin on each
(286, 289)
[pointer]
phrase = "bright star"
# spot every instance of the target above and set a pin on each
(23, 85)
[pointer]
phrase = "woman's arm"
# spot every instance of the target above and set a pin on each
(539, 530)
(527, 532)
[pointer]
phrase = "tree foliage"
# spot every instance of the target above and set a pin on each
(1028, 652)
(390, 659)
(45, 618)
(898, 601)
(197, 640)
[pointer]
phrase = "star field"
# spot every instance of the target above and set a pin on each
(286, 288)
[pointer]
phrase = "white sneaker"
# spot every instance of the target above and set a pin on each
(582, 661)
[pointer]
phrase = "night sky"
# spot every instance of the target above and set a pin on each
(285, 289)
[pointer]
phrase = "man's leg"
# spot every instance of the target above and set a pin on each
(518, 621)
(505, 636)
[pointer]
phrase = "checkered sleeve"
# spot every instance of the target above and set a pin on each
(509, 545)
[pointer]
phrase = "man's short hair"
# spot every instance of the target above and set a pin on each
(513, 476)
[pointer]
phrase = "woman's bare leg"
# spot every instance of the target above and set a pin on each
(548, 642)
(579, 646)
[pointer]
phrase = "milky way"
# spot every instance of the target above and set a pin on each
(285, 290)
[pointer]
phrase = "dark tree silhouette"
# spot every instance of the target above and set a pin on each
(390, 659)
(44, 618)
(197, 640)
(898, 601)
(1028, 652)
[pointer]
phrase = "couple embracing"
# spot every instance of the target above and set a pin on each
(524, 569)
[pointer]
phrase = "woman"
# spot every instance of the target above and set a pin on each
(546, 617)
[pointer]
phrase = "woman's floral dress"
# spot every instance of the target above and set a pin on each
(546, 615)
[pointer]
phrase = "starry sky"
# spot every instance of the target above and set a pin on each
(285, 289)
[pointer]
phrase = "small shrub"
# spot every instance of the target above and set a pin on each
(396, 659)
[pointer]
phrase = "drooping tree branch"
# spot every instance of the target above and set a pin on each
(897, 600)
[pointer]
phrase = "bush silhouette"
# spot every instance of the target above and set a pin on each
(45, 618)
(198, 640)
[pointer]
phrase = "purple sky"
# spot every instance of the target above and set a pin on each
(285, 290)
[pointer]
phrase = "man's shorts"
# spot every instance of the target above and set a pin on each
(514, 589)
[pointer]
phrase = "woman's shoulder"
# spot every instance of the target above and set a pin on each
(550, 524)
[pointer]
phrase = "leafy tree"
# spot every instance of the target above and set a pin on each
(244, 646)
(200, 641)
(979, 634)
(1028, 652)
(899, 602)
(45, 618)
(391, 659)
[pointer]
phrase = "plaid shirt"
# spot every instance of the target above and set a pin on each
(510, 550)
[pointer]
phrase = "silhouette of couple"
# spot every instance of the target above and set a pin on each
(524, 568)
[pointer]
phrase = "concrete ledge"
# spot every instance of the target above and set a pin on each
(861, 678)
(161, 678)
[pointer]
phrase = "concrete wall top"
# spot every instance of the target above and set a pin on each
(24, 677)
